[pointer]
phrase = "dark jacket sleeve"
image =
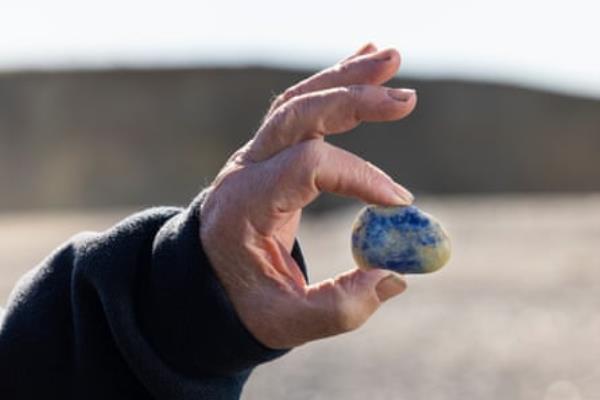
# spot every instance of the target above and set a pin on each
(132, 312)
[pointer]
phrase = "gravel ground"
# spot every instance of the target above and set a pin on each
(515, 314)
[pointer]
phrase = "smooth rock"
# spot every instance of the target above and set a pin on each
(402, 239)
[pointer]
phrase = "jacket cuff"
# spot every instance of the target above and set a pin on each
(194, 325)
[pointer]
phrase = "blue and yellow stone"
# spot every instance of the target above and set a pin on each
(402, 239)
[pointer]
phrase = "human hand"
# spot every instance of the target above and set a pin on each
(251, 213)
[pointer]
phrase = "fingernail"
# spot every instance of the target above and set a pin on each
(390, 286)
(384, 56)
(401, 94)
(401, 196)
(404, 193)
(366, 48)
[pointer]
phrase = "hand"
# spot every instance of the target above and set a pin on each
(252, 210)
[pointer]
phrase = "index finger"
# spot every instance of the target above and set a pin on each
(299, 174)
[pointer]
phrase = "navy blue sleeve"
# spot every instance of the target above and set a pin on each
(132, 312)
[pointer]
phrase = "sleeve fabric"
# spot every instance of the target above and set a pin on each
(135, 312)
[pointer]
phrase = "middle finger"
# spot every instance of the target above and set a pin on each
(337, 110)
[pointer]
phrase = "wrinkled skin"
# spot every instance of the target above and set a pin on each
(251, 214)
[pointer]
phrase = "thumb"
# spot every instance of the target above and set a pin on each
(352, 297)
(392, 285)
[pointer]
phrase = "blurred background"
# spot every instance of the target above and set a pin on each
(109, 107)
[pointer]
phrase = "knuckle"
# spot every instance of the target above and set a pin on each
(342, 68)
(309, 155)
(291, 92)
(369, 174)
(355, 92)
(286, 116)
(277, 101)
(355, 95)
(295, 110)
(303, 163)
(298, 110)
(286, 96)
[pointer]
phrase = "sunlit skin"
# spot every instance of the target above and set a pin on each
(251, 214)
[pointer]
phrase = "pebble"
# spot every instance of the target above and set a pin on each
(403, 239)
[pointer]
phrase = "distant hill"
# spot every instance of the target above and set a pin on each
(143, 137)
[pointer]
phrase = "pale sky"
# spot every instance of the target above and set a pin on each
(548, 44)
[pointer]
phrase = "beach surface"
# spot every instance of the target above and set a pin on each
(514, 315)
